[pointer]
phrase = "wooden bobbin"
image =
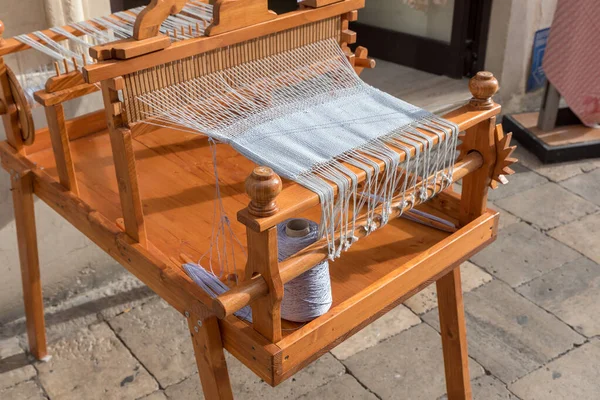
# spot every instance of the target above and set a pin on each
(483, 86)
(263, 186)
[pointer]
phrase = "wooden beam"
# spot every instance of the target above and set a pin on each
(454, 335)
(208, 349)
(125, 168)
(22, 193)
(187, 48)
(55, 116)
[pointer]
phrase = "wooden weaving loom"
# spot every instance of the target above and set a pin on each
(151, 215)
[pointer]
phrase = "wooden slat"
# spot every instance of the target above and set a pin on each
(187, 48)
(313, 339)
(22, 194)
(296, 199)
(125, 168)
(55, 116)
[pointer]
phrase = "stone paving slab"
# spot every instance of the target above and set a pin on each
(523, 179)
(14, 364)
(407, 366)
(155, 396)
(572, 293)
(522, 253)
(392, 323)
(555, 172)
(576, 376)
(506, 218)
(507, 334)
(586, 185)
(93, 364)
(344, 387)
(23, 391)
(247, 386)
(159, 337)
(547, 206)
(488, 388)
(471, 276)
(582, 235)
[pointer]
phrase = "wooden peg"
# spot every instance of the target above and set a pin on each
(66, 64)
(175, 33)
(56, 68)
(190, 30)
(483, 86)
(198, 28)
(263, 186)
(348, 36)
(1, 32)
(75, 63)
(182, 31)
(84, 58)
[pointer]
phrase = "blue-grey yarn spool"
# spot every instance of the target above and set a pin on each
(307, 296)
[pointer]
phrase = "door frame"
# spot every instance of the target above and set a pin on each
(463, 56)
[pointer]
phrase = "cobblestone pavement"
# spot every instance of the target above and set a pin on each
(532, 305)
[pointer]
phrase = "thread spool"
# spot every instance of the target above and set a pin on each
(308, 296)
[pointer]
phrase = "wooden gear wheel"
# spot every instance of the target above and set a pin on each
(503, 155)
(23, 109)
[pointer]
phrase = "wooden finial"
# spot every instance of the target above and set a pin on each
(263, 186)
(483, 86)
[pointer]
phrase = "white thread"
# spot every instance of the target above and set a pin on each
(305, 113)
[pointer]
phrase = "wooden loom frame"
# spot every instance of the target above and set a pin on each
(260, 346)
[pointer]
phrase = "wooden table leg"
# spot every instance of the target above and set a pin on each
(22, 193)
(454, 336)
(210, 358)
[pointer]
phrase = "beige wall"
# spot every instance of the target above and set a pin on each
(510, 42)
(69, 262)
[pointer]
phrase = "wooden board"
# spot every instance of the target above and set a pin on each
(561, 135)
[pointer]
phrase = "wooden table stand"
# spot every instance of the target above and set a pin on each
(142, 195)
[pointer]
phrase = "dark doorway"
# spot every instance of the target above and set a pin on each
(446, 39)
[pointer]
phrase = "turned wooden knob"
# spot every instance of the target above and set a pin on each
(263, 186)
(483, 86)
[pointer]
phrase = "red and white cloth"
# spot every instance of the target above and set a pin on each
(572, 59)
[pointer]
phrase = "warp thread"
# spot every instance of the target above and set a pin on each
(305, 297)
